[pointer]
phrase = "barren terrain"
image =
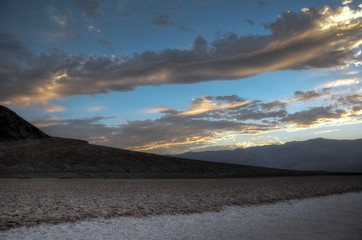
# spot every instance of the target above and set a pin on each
(69, 158)
(27, 202)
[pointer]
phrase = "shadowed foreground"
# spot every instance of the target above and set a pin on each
(27, 202)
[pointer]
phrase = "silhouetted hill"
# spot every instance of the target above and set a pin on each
(311, 155)
(13, 127)
(27, 152)
(59, 157)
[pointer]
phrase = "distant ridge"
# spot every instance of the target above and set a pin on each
(13, 127)
(25, 151)
(312, 155)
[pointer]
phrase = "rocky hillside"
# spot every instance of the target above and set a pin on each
(13, 127)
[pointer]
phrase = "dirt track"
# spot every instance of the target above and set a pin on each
(27, 202)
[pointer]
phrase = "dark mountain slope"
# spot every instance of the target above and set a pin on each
(311, 155)
(13, 127)
(25, 151)
(59, 157)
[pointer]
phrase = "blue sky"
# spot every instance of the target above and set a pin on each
(176, 76)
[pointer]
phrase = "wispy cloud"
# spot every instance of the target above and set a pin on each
(90, 7)
(327, 131)
(256, 144)
(94, 29)
(161, 20)
(55, 108)
(95, 109)
(157, 110)
(345, 2)
(98, 140)
(261, 3)
(206, 104)
(101, 38)
(46, 122)
(249, 21)
(64, 23)
(341, 82)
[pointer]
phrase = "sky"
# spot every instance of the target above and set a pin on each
(169, 77)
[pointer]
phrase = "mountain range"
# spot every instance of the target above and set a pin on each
(25, 151)
(312, 155)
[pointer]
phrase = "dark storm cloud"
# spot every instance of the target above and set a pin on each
(309, 39)
(161, 20)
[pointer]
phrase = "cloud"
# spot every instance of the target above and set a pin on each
(207, 104)
(55, 108)
(305, 96)
(157, 110)
(310, 39)
(314, 115)
(261, 3)
(95, 109)
(211, 121)
(86, 129)
(98, 140)
(249, 21)
(65, 24)
(185, 28)
(327, 131)
(255, 144)
(145, 135)
(104, 41)
(161, 20)
(90, 7)
(46, 122)
(350, 99)
(345, 2)
(341, 82)
(94, 30)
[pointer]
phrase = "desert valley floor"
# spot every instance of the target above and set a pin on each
(28, 202)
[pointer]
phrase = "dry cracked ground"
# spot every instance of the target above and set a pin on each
(27, 202)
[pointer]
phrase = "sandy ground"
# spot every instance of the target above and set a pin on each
(28, 202)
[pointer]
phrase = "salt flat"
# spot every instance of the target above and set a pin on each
(331, 217)
(28, 202)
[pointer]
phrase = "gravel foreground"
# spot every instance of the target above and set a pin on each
(28, 202)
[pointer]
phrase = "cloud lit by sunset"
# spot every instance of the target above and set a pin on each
(159, 77)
